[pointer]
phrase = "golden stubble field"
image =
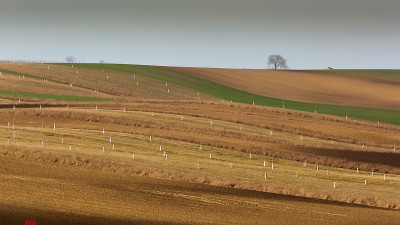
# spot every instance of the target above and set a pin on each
(195, 150)
(53, 193)
(308, 86)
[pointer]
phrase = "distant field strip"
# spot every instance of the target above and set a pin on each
(204, 86)
(39, 78)
(54, 97)
(392, 74)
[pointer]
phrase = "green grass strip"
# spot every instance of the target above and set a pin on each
(383, 73)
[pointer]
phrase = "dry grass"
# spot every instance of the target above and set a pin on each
(31, 85)
(181, 138)
(109, 82)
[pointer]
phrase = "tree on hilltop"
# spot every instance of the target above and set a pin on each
(70, 59)
(277, 61)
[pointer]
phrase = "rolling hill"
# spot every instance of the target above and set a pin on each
(146, 144)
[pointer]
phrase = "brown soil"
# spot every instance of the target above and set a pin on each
(53, 193)
(308, 86)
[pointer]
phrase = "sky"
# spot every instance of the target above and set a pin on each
(310, 34)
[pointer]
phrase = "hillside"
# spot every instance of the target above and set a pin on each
(136, 82)
(124, 138)
(339, 88)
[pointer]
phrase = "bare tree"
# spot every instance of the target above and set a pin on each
(277, 61)
(70, 59)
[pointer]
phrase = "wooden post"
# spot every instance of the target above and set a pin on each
(210, 156)
(272, 166)
(103, 148)
(270, 133)
(250, 155)
(160, 148)
(70, 147)
(265, 175)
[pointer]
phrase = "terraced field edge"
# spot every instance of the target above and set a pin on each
(231, 94)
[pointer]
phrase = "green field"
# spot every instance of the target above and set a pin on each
(227, 93)
(384, 73)
(53, 97)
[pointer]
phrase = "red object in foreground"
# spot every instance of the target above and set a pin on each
(30, 222)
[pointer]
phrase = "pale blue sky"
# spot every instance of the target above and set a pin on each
(311, 34)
